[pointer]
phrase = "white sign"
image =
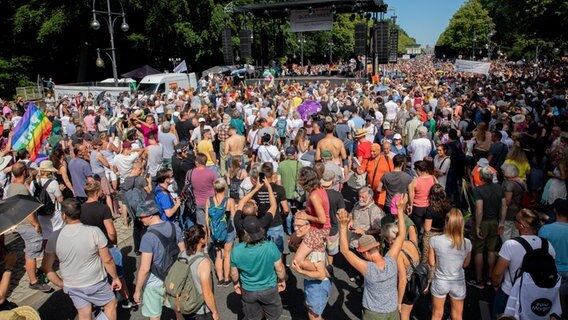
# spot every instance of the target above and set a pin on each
(302, 21)
(472, 66)
(405, 57)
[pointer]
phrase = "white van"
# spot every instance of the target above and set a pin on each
(164, 82)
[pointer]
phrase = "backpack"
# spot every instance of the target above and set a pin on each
(418, 279)
(40, 192)
(133, 197)
(188, 198)
(470, 126)
(181, 291)
(281, 127)
(218, 221)
(235, 185)
(171, 251)
(536, 289)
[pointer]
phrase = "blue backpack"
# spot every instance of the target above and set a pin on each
(281, 127)
(218, 220)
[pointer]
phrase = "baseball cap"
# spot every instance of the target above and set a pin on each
(397, 136)
(180, 147)
(327, 179)
(386, 125)
(201, 120)
(148, 208)
(326, 154)
(253, 228)
(290, 151)
(126, 145)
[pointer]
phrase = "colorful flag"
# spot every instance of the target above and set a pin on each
(182, 67)
(32, 130)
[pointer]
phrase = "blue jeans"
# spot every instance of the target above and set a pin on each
(276, 235)
(215, 169)
(499, 303)
(289, 223)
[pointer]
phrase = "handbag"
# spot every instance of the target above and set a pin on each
(527, 200)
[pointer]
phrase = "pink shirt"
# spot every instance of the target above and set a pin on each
(322, 194)
(202, 183)
(90, 123)
(147, 130)
(421, 191)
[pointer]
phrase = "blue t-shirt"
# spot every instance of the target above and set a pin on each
(256, 265)
(151, 244)
(380, 285)
(164, 201)
(556, 233)
(80, 170)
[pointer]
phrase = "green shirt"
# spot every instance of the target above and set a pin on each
(288, 170)
(256, 265)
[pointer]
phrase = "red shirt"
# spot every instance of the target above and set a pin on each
(364, 150)
(322, 194)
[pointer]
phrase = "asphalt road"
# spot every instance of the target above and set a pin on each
(344, 303)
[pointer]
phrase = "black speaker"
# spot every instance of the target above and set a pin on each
(227, 46)
(393, 45)
(360, 39)
(381, 41)
(280, 45)
(244, 36)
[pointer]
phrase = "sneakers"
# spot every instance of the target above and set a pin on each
(41, 287)
(477, 284)
(127, 304)
(223, 283)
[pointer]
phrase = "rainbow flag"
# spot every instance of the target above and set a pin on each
(32, 130)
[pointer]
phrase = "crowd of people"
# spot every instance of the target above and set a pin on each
(440, 169)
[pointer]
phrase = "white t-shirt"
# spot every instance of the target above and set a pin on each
(514, 252)
(442, 165)
(449, 260)
(124, 164)
(419, 148)
(53, 222)
(270, 154)
(391, 107)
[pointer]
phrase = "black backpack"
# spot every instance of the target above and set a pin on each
(538, 263)
(171, 252)
(418, 280)
(470, 125)
(40, 192)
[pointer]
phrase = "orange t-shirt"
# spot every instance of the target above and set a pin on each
(375, 169)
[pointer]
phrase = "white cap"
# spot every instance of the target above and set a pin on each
(397, 136)
(201, 119)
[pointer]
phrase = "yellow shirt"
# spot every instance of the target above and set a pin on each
(524, 167)
(206, 147)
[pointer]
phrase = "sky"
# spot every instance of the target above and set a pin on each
(423, 20)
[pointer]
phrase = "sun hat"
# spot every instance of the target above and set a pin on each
(4, 161)
(483, 162)
(148, 208)
(366, 243)
(253, 228)
(328, 179)
(47, 165)
(360, 133)
(518, 118)
(20, 313)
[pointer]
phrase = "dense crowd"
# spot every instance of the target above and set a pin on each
(429, 170)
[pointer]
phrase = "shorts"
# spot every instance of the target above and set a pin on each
(315, 239)
(105, 185)
(441, 288)
(332, 244)
(98, 294)
(371, 315)
(117, 257)
(262, 304)
(489, 231)
(200, 215)
(564, 283)
(152, 301)
(316, 293)
(231, 236)
(276, 235)
(33, 241)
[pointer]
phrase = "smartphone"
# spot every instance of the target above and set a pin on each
(261, 177)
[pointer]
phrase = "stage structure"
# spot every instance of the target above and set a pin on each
(318, 15)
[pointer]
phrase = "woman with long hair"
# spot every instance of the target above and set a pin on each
(435, 218)
(221, 208)
(235, 176)
(62, 175)
(195, 240)
(252, 139)
(518, 157)
(302, 144)
(556, 187)
(418, 191)
(482, 141)
(410, 257)
(442, 164)
(317, 213)
(450, 253)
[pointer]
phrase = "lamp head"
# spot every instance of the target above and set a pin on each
(95, 24)
(124, 26)
(100, 62)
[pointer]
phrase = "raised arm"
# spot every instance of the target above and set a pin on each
(359, 264)
(397, 245)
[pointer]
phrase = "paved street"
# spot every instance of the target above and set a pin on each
(345, 302)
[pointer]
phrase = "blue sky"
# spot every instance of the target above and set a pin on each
(424, 20)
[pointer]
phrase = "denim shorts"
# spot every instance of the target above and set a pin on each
(316, 293)
(276, 235)
(117, 257)
(441, 288)
(332, 244)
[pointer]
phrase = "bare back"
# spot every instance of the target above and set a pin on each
(236, 145)
(333, 145)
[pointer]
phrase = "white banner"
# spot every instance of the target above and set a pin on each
(472, 66)
(302, 21)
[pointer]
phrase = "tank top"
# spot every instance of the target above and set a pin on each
(195, 276)
(96, 166)
(322, 194)
(421, 191)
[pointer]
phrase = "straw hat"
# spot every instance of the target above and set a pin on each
(4, 161)
(20, 313)
(360, 133)
(47, 165)
(518, 118)
(366, 243)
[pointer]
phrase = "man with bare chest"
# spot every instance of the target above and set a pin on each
(332, 144)
(234, 147)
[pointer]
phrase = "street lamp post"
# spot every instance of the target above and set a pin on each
(110, 19)
(174, 62)
(330, 43)
(474, 39)
(301, 40)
